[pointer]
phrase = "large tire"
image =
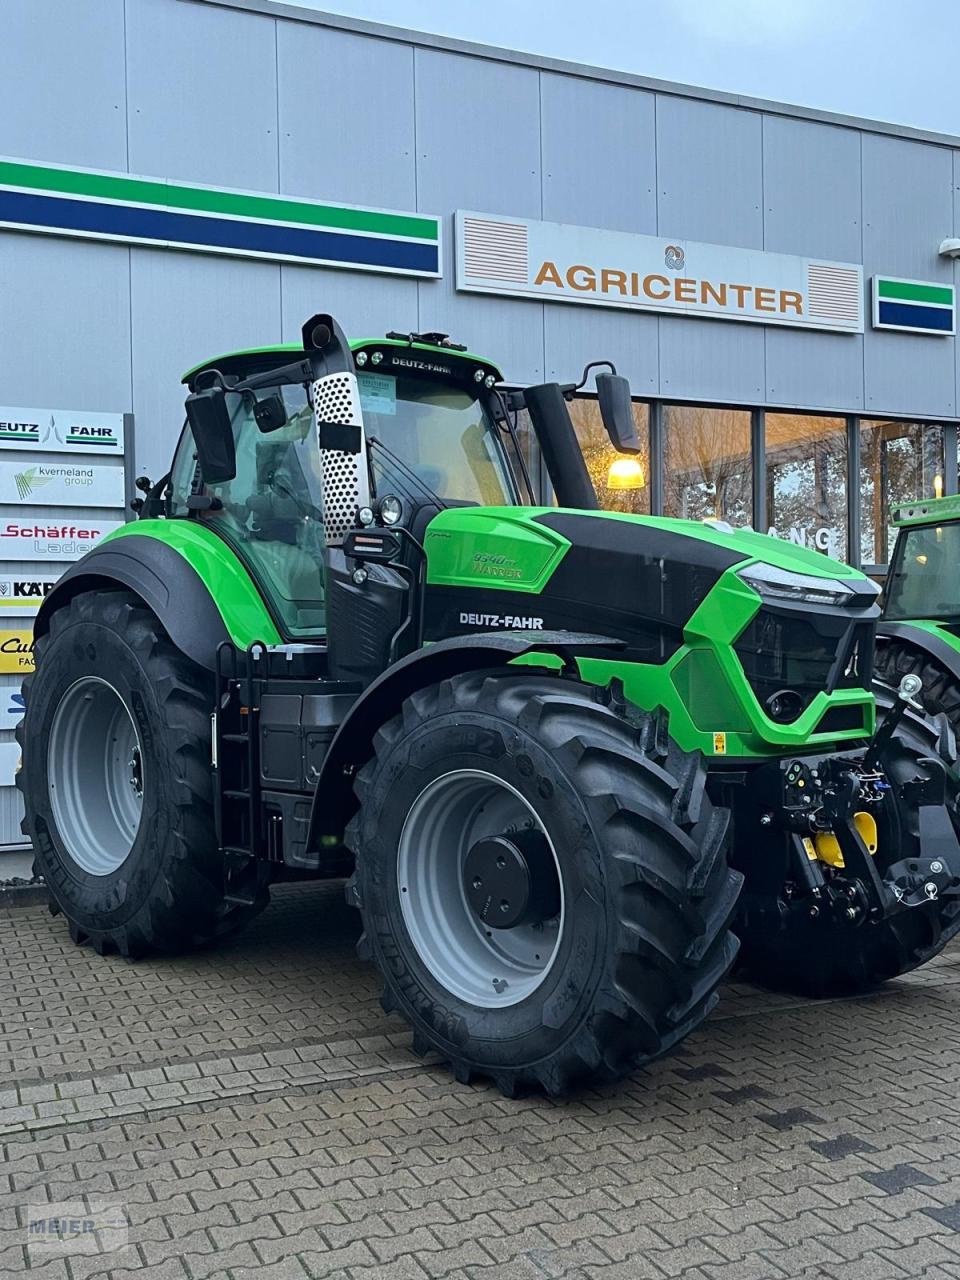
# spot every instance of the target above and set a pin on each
(941, 689)
(111, 692)
(642, 941)
(824, 957)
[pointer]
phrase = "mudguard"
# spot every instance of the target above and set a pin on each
(928, 638)
(333, 800)
(166, 583)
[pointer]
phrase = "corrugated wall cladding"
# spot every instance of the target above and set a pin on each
(211, 94)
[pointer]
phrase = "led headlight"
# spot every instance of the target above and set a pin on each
(390, 509)
(774, 583)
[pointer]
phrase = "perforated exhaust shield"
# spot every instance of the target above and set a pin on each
(343, 455)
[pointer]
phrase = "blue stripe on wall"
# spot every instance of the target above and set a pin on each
(916, 317)
(128, 221)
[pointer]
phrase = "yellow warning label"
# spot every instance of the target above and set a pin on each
(719, 744)
(16, 652)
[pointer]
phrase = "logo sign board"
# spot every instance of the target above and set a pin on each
(61, 430)
(24, 596)
(12, 707)
(9, 763)
(16, 653)
(39, 540)
(54, 483)
(914, 306)
(98, 205)
(529, 259)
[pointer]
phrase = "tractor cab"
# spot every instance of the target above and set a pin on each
(924, 582)
(438, 434)
(919, 631)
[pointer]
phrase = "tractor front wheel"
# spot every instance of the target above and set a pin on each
(543, 884)
(116, 781)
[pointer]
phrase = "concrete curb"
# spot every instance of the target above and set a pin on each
(22, 893)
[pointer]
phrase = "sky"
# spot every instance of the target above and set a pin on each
(893, 60)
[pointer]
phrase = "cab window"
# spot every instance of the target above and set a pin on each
(271, 510)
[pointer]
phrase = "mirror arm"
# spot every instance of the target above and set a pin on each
(595, 364)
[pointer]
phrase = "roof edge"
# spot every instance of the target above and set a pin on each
(584, 71)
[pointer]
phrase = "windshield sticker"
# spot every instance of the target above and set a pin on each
(378, 393)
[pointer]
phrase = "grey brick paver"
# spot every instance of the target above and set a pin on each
(260, 1117)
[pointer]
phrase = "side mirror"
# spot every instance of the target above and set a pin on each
(616, 411)
(270, 413)
(209, 421)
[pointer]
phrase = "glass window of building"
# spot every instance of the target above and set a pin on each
(621, 481)
(706, 473)
(900, 462)
(807, 481)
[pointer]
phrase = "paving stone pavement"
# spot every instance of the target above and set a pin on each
(250, 1112)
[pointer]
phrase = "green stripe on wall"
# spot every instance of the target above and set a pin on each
(915, 292)
(197, 199)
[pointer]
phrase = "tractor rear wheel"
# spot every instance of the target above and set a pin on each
(827, 957)
(941, 689)
(543, 885)
(116, 781)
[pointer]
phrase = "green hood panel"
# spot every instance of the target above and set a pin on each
(492, 547)
(240, 605)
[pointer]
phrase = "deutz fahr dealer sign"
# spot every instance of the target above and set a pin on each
(61, 431)
(587, 265)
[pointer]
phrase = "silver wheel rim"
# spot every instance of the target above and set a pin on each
(95, 776)
(486, 967)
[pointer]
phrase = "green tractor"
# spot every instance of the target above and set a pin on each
(547, 747)
(919, 632)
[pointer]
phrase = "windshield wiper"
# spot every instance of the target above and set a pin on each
(408, 472)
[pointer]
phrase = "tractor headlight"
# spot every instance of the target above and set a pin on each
(390, 510)
(773, 583)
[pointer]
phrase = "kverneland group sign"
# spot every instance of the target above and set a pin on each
(565, 263)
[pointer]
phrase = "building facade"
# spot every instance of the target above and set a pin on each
(769, 278)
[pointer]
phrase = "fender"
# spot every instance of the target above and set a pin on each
(151, 567)
(333, 800)
(926, 638)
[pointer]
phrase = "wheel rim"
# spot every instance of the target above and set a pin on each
(484, 966)
(95, 776)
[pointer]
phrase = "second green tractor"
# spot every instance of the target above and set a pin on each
(567, 761)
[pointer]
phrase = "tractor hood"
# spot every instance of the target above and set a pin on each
(630, 561)
(749, 642)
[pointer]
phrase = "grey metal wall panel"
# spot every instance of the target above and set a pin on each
(811, 184)
(66, 342)
(599, 154)
(202, 94)
(711, 360)
(478, 147)
(908, 209)
(575, 335)
(709, 172)
(366, 305)
(814, 370)
(62, 95)
(346, 117)
(186, 308)
(956, 261)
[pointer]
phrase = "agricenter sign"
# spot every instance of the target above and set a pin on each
(589, 265)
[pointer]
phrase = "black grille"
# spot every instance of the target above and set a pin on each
(786, 651)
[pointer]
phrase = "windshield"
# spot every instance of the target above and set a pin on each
(439, 432)
(925, 579)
